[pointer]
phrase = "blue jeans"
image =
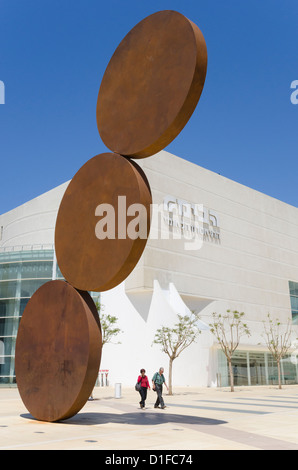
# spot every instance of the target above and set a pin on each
(159, 399)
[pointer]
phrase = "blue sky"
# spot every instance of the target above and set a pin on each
(53, 54)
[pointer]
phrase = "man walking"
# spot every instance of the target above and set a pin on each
(157, 382)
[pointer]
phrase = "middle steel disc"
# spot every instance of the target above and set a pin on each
(103, 223)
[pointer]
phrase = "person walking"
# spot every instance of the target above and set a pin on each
(143, 380)
(157, 382)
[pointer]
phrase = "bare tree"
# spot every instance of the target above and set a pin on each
(278, 339)
(108, 324)
(228, 329)
(174, 340)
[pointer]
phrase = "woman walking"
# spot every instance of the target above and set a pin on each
(143, 380)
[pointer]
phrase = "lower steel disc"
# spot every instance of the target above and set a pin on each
(58, 351)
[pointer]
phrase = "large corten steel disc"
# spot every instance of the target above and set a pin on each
(151, 85)
(102, 194)
(58, 351)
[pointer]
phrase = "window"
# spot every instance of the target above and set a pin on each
(255, 368)
(21, 274)
(293, 287)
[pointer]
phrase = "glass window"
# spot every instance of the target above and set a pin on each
(5, 367)
(8, 307)
(58, 273)
(293, 288)
(239, 365)
(21, 274)
(294, 303)
(9, 271)
(12, 307)
(272, 370)
(9, 326)
(257, 368)
(29, 287)
(222, 374)
(289, 370)
(8, 289)
(2, 352)
(35, 270)
(7, 371)
(8, 345)
(23, 303)
(295, 317)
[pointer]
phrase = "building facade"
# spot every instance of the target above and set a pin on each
(214, 245)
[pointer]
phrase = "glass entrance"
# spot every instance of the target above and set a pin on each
(257, 368)
(239, 366)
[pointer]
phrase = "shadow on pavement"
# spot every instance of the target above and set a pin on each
(136, 419)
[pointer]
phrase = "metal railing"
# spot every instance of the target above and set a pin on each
(7, 249)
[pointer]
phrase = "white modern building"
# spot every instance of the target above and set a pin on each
(214, 245)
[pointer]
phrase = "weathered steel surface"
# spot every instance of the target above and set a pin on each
(87, 262)
(148, 93)
(151, 85)
(58, 351)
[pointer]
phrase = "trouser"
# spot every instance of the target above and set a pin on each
(159, 399)
(143, 393)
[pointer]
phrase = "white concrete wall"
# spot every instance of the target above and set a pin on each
(257, 254)
(32, 223)
(137, 351)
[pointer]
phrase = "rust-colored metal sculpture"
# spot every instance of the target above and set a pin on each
(58, 351)
(148, 93)
(151, 85)
(102, 192)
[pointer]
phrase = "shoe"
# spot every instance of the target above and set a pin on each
(156, 406)
(163, 407)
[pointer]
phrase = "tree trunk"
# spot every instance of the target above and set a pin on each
(231, 375)
(279, 374)
(170, 376)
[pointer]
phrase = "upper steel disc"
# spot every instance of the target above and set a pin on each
(152, 85)
(58, 351)
(87, 261)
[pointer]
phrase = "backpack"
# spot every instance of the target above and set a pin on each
(138, 386)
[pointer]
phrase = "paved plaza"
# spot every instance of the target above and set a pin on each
(251, 418)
